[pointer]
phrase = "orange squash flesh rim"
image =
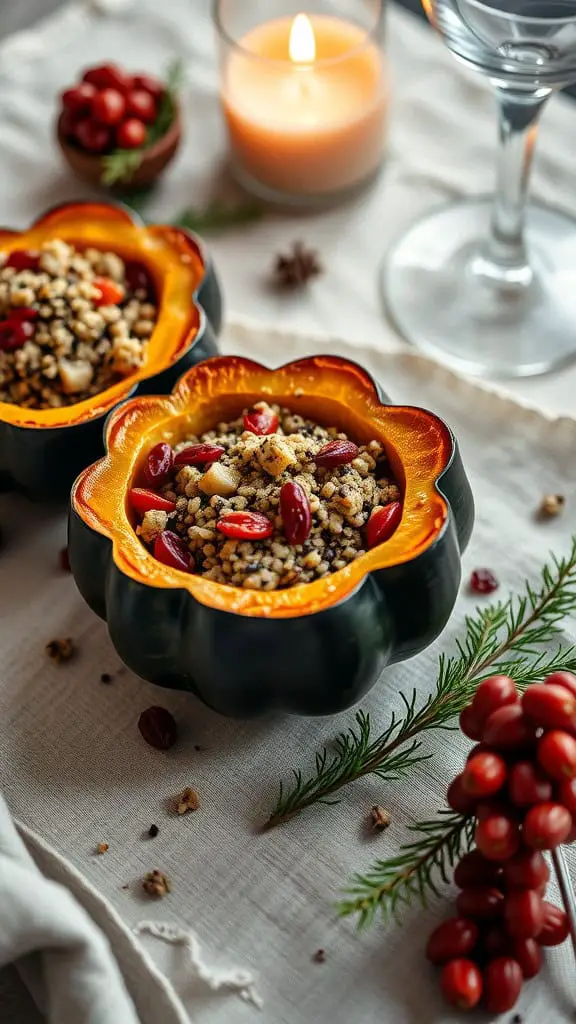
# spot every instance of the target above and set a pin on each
(331, 390)
(176, 266)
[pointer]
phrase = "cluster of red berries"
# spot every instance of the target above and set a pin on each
(110, 109)
(519, 782)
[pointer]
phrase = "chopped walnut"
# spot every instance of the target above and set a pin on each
(156, 884)
(153, 523)
(275, 454)
(380, 818)
(61, 650)
(187, 800)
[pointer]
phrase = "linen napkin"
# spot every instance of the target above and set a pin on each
(63, 957)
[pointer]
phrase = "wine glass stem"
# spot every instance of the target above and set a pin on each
(506, 256)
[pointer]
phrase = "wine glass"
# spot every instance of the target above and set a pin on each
(489, 285)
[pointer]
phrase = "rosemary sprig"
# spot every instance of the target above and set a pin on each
(218, 215)
(391, 885)
(508, 635)
(121, 164)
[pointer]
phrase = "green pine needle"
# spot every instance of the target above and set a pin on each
(392, 885)
(508, 636)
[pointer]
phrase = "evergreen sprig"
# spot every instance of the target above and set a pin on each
(392, 885)
(508, 635)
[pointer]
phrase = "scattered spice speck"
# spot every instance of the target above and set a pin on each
(125, 886)
(153, 831)
(64, 560)
(106, 677)
(551, 505)
(187, 800)
(319, 956)
(156, 884)
(61, 650)
(295, 268)
(380, 818)
(102, 848)
(517, 1019)
(197, 747)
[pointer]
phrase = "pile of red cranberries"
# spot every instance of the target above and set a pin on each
(519, 782)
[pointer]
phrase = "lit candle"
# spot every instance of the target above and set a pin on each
(305, 102)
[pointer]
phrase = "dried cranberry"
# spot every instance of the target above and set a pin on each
(159, 464)
(196, 454)
(108, 106)
(295, 512)
(171, 550)
(245, 526)
(383, 523)
(143, 500)
(131, 134)
(92, 137)
(14, 334)
(483, 581)
(23, 259)
(336, 453)
(138, 278)
(261, 421)
(158, 728)
(22, 313)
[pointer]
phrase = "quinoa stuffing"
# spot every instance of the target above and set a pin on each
(267, 501)
(72, 323)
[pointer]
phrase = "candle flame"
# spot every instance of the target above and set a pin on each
(302, 45)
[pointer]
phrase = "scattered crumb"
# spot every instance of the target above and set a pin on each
(319, 956)
(156, 884)
(551, 505)
(380, 818)
(153, 831)
(102, 848)
(517, 1019)
(106, 677)
(187, 800)
(61, 650)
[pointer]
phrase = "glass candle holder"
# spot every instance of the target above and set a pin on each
(304, 95)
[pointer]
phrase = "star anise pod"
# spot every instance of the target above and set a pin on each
(296, 267)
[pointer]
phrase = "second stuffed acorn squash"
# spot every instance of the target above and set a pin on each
(42, 451)
(310, 649)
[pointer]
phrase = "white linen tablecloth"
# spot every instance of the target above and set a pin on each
(74, 769)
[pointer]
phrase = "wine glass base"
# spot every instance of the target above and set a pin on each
(475, 324)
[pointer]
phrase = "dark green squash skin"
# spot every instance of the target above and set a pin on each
(43, 463)
(315, 664)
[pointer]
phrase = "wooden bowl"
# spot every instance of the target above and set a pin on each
(156, 158)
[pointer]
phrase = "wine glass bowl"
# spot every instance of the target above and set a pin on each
(495, 280)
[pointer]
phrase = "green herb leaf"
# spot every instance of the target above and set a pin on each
(217, 216)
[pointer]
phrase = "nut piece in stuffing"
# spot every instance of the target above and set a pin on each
(75, 376)
(61, 650)
(154, 522)
(274, 455)
(187, 800)
(221, 480)
(156, 884)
